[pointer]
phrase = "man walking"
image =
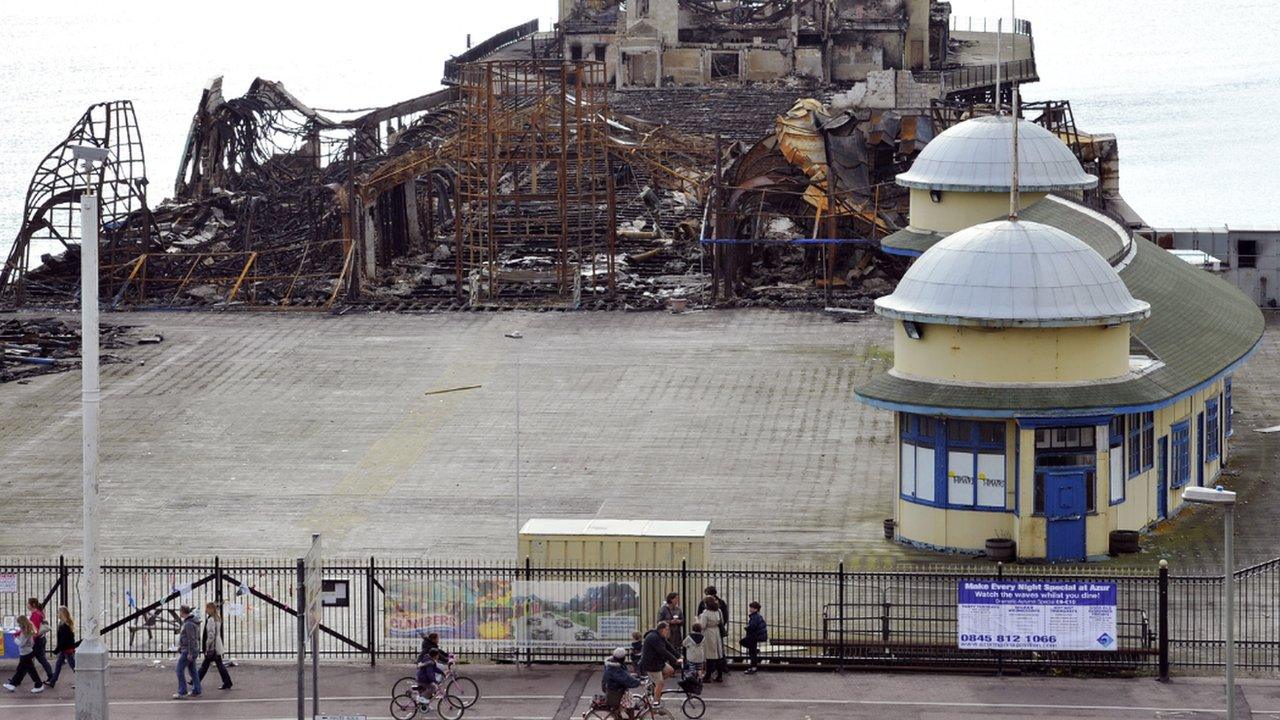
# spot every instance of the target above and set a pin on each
(655, 655)
(757, 632)
(188, 652)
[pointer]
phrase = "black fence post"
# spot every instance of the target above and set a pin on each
(369, 614)
(1000, 574)
(840, 612)
(62, 580)
(1164, 620)
(684, 590)
(217, 581)
(302, 638)
(528, 577)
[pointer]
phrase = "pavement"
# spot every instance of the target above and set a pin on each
(242, 433)
(268, 692)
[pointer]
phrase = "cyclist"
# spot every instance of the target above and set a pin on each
(617, 681)
(430, 674)
(429, 641)
(655, 657)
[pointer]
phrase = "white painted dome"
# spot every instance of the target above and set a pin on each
(1012, 273)
(976, 155)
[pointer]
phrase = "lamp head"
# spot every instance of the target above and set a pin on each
(1209, 496)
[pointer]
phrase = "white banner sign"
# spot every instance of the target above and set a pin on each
(1034, 615)
(8, 582)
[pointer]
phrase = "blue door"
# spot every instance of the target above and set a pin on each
(1064, 510)
(1162, 478)
(1200, 449)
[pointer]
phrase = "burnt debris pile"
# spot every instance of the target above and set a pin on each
(41, 346)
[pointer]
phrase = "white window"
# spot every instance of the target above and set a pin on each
(960, 478)
(991, 480)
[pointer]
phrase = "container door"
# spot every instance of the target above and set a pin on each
(1162, 478)
(1064, 514)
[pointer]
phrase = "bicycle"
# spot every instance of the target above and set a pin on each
(641, 706)
(455, 685)
(406, 706)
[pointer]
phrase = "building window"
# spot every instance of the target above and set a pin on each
(1115, 437)
(1090, 492)
(575, 52)
(1211, 430)
(975, 464)
(919, 438)
(601, 50)
(1226, 405)
(1247, 253)
(724, 65)
(1142, 442)
(642, 8)
(1180, 461)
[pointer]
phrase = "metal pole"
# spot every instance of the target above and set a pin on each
(999, 34)
(315, 672)
(91, 675)
(302, 641)
(517, 449)
(1229, 617)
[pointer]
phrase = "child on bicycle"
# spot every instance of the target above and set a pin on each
(617, 681)
(430, 674)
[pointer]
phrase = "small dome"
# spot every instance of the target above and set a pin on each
(975, 156)
(1012, 273)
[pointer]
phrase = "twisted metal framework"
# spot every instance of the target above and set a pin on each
(534, 181)
(52, 207)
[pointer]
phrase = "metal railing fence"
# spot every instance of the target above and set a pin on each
(904, 617)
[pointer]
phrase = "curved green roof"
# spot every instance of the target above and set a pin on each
(1200, 328)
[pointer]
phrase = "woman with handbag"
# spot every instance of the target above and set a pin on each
(712, 640)
(65, 649)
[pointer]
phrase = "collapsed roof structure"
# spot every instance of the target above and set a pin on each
(738, 151)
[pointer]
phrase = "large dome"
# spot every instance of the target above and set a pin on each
(1012, 273)
(976, 155)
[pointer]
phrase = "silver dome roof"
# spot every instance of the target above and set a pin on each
(1012, 273)
(976, 156)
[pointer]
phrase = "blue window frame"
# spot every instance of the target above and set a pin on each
(952, 463)
(1211, 447)
(1115, 436)
(1142, 442)
(1180, 462)
(1226, 405)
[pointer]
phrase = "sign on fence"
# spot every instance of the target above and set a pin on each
(474, 608)
(8, 582)
(560, 614)
(1036, 615)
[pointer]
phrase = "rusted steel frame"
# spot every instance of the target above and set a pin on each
(235, 289)
(491, 161)
(302, 263)
(137, 265)
(563, 180)
(182, 286)
(346, 266)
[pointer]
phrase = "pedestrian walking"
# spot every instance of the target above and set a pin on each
(64, 649)
(757, 632)
(655, 656)
(26, 642)
(188, 652)
(712, 619)
(695, 652)
(673, 615)
(211, 642)
(35, 613)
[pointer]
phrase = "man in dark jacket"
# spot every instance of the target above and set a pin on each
(656, 655)
(188, 651)
(757, 632)
(617, 681)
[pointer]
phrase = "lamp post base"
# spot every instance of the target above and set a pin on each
(91, 680)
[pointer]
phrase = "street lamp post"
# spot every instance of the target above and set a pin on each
(91, 670)
(1227, 499)
(516, 335)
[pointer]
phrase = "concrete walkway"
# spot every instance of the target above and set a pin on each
(265, 692)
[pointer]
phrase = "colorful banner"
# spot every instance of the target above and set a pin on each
(472, 609)
(591, 615)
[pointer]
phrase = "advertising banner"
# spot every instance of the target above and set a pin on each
(577, 615)
(458, 609)
(1034, 615)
